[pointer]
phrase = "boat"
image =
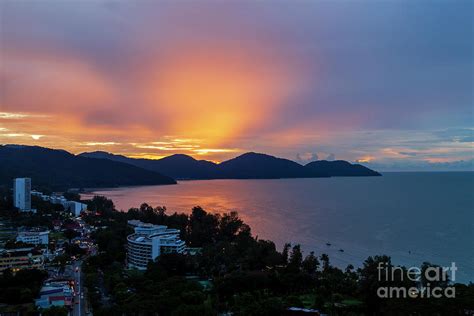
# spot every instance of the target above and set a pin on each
(328, 244)
(341, 250)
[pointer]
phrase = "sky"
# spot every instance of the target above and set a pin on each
(385, 83)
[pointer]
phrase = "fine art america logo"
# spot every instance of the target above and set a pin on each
(414, 282)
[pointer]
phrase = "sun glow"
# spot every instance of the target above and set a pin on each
(365, 159)
(214, 95)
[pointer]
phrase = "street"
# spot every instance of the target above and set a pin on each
(79, 304)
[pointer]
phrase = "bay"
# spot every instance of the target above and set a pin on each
(413, 217)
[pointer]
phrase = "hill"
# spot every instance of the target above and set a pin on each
(176, 166)
(59, 169)
(247, 166)
(260, 166)
(341, 168)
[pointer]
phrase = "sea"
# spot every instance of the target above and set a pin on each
(414, 217)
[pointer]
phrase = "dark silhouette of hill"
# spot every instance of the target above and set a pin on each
(59, 169)
(186, 167)
(341, 168)
(246, 166)
(176, 166)
(261, 166)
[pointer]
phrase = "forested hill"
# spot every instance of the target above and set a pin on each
(246, 166)
(59, 169)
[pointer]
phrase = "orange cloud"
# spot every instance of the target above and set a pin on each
(365, 159)
(215, 94)
(212, 94)
(51, 83)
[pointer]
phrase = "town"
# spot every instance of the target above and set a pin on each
(60, 246)
(62, 255)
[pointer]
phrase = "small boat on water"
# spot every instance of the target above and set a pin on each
(328, 244)
(341, 250)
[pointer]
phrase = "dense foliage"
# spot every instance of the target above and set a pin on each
(235, 272)
(21, 287)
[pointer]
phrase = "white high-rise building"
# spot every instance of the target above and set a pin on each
(22, 194)
(149, 242)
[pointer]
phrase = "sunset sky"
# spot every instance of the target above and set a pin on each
(387, 83)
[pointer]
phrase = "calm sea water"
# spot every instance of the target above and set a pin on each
(413, 217)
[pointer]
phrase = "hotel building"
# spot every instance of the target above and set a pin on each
(149, 242)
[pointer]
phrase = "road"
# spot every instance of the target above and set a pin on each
(80, 299)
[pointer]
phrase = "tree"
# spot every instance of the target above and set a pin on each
(72, 196)
(6, 199)
(22, 287)
(229, 226)
(371, 278)
(310, 263)
(100, 204)
(55, 311)
(296, 258)
(203, 227)
(71, 234)
(172, 263)
(325, 260)
(259, 304)
(285, 253)
(74, 250)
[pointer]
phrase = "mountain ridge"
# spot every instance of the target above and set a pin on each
(177, 166)
(250, 165)
(254, 165)
(59, 169)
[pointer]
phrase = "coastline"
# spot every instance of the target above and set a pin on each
(312, 212)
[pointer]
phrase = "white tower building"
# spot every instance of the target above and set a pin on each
(22, 194)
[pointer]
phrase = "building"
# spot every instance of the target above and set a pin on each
(22, 258)
(56, 293)
(33, 237)
(75, 207)
(57, 198)
(149, 242)
(22, 194)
